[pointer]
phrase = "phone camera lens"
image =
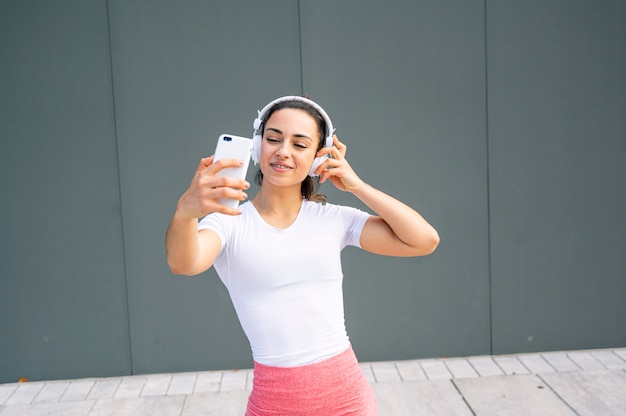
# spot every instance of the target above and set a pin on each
(228, 139)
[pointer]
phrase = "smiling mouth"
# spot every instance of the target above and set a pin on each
(279, 166)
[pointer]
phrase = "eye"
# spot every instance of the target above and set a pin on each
(301, 146)
(272, 139)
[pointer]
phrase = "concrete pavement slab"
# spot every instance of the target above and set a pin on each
(435, 370)
(609, 359)
(486, 366)
(560, 362)
(81, 408)
(156, 385)
(424, 398)
(25, 393)
(585, 360)
(595, 393)
(104, 388)
(77, 390)
(411, 371)
(523, 395)
(385, 372)
(461, 368)
(51, 392)
(182, 384)
(140, 406)
(228, 403)
(511, 365)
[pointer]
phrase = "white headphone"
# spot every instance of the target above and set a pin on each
(257, 135)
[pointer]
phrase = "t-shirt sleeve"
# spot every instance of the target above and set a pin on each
(354, 219)
(215, 223)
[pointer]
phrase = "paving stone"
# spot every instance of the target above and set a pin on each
(6, 391)
(385, 372)
(536, 364)
(156, 385)
(593, 393)
(486, 366)
(140, 406)
(411, 371)
(249, 380)
(130, 387)
(461, 368)
(560, 362)
(208, 382)
(104, 388)
(586, 361)
(52, 392)
(435, 370)
(77, 390)
(523, 395)
(181, 384)
(621, 352)
(230, 403)
(81, 408)
(609, 359)
(367, 372)
(511, 365)
(234, 380)
(424, 398)
(25, 393)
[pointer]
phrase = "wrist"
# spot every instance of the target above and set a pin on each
(358, 188)
(181, 215)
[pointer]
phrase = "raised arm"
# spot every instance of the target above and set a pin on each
(190, 251)
(397, 229)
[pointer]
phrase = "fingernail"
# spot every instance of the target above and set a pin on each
(246, 185)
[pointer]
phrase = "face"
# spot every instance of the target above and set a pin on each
(289, 145)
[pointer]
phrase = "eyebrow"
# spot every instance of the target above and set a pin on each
(300, 135)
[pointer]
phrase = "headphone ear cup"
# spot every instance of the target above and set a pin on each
(318, 161)
(256, 148)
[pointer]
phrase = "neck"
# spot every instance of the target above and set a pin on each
(278, 201)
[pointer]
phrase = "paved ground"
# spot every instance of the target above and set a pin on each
(556, 383)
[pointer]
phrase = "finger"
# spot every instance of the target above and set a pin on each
(339, 145)
(226, 163)
(215, 182)
(205, 162)
(331, 152)
(232, 193)
(324, 169)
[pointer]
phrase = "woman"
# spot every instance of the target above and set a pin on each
(279, 257)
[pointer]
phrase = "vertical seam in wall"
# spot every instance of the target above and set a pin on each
(488, 180)
(300, 49)
(119, 188)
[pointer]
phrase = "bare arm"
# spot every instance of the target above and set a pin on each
(397, 229)
(190, 251)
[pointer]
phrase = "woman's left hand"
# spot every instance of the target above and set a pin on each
(337, 169)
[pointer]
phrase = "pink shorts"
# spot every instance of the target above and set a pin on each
(333, 387)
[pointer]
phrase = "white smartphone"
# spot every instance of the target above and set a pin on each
(233, 147)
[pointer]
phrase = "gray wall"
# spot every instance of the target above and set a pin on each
(503, 122)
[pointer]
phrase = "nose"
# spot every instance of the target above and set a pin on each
(283, 150)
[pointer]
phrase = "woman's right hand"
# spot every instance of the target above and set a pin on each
(201, 197)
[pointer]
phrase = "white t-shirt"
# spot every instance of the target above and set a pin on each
(286, 284)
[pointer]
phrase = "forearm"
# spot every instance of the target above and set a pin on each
(181, 243)
(405, 223)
